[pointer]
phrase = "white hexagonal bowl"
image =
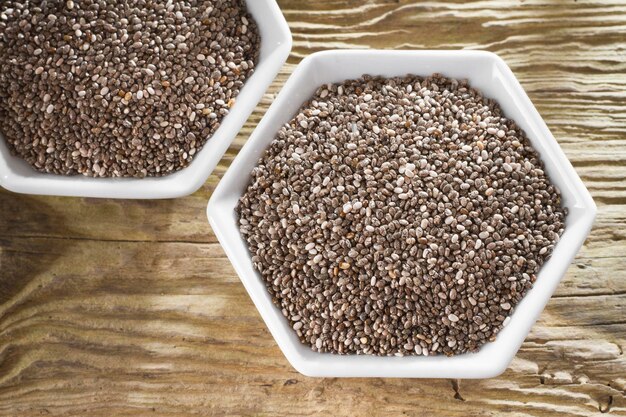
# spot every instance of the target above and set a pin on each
(486, 72)
(16, 175)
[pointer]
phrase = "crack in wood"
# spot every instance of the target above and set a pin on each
(595, 294)
(457, 389)
(89, 239)
(606, 407)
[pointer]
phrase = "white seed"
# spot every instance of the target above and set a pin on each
(318, 343)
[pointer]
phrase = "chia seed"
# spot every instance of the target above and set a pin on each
(96, 87)
(423, 217)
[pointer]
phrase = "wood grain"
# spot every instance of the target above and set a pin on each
(123, 308)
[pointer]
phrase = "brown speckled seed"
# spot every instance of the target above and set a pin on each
(102, 76)
(402, 216)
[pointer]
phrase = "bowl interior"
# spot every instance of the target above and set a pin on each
(486, 72)
(17, 175)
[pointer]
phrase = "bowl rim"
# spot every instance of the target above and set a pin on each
(189, 179)
(495, 358)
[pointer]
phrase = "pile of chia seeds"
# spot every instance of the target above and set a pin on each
(400, 216)
(119, 88)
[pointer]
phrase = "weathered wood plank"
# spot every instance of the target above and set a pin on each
(129, 311)
(131, 308)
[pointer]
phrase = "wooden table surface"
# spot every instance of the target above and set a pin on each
(116, 308)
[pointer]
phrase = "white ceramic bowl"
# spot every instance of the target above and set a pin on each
(485, 71)
(16, 175)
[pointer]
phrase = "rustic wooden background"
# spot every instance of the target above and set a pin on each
(116, 308)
